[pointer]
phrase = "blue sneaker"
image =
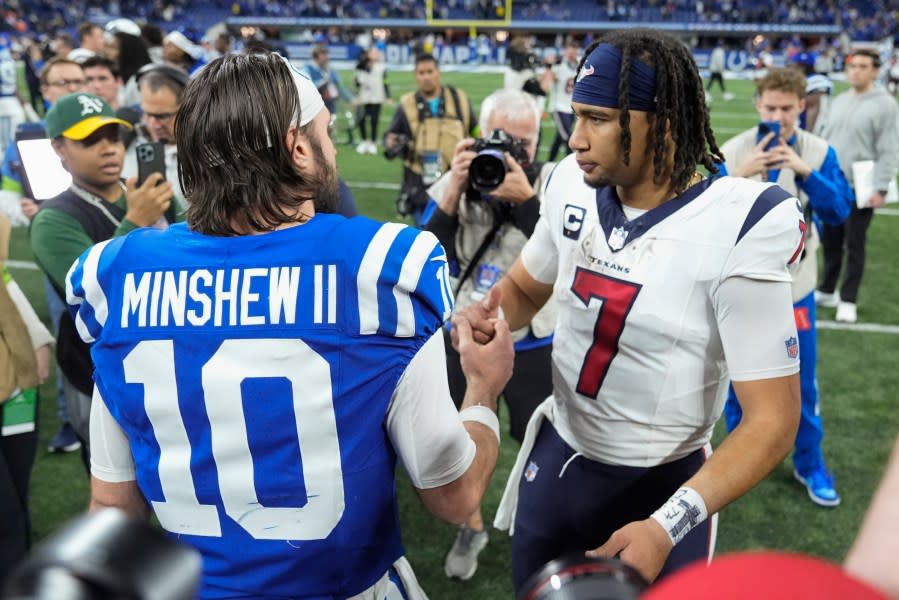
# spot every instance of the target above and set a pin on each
(820, 486)
(65, 440)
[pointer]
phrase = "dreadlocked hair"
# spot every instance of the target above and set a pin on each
(680, 103)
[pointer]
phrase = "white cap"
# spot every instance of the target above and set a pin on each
(311, 102)
(180, 40)
(79, 55)
(123, 26)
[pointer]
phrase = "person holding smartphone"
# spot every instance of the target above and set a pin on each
(98, 206)
(161, 87)
(806, 166)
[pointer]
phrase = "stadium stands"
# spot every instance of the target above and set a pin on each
(862, 19)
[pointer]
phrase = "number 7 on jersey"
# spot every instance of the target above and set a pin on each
(617, 297)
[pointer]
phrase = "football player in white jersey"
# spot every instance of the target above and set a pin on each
(558, 80)
(666, 284)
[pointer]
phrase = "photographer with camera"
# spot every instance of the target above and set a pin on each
(483, 211)
(425, 129)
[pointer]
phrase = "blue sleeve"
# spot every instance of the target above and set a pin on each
(402, 284)
(828, 191)
(722, 169)
(342, 90)
(315, 75)
(9, 157)
(85, 294)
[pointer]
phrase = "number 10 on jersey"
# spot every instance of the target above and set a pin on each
(152, 363)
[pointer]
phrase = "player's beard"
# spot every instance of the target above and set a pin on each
(326, 184)
(600, 181)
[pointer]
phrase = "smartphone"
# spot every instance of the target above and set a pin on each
(766, 127)
(150, 159)
(43, 176)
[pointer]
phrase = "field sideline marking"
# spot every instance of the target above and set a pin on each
(862, 327)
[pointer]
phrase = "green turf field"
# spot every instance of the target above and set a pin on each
(856, 378)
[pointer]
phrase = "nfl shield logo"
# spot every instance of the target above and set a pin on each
(531, 471)
(617, 238)
(792, 347)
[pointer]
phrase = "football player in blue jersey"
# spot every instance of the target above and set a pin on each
(666, 284)
(261, 368)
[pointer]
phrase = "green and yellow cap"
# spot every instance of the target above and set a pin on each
(78, 115)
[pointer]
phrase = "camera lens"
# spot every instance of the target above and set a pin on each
(487, 170)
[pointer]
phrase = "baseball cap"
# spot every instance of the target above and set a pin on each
(78, 115)
(123, 26)
(804, 58)
(184, 44)
(79, 55)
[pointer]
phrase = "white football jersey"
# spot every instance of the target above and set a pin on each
(639, 360)
(563, 86)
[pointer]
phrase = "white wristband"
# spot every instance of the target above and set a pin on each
(683, 511)
(483, 415)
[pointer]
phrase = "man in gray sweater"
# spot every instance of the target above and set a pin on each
(863, 125)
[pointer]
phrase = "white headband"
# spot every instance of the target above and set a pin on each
(311, 102)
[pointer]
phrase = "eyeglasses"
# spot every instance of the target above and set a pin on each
(162, 117)
(68, 83)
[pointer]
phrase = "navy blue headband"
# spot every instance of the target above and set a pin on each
(597, 81)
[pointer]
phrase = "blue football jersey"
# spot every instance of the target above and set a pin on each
(252, 376)
(8, 76)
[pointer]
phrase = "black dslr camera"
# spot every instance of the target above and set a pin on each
(399, 148)
(488, 168)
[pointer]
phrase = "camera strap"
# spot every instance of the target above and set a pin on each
(532, 172)
(479, 253)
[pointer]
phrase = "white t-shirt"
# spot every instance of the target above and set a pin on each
(649, 335)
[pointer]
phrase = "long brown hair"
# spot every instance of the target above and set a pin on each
(233, 164)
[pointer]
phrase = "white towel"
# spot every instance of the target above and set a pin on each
(505, 514)
(385, 589)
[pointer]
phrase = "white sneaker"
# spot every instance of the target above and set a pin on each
(708, 98)
(372, 148)
(826, 300)
(362, 147)
(462, 559)
(846, 312)
(728, 96)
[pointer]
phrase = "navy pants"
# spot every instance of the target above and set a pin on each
(578, 508)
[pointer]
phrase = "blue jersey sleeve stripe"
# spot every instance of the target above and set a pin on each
(766, 201)
(93, 292)
(369, 275)
(83, 290)
(415, 260)
(74, 291)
